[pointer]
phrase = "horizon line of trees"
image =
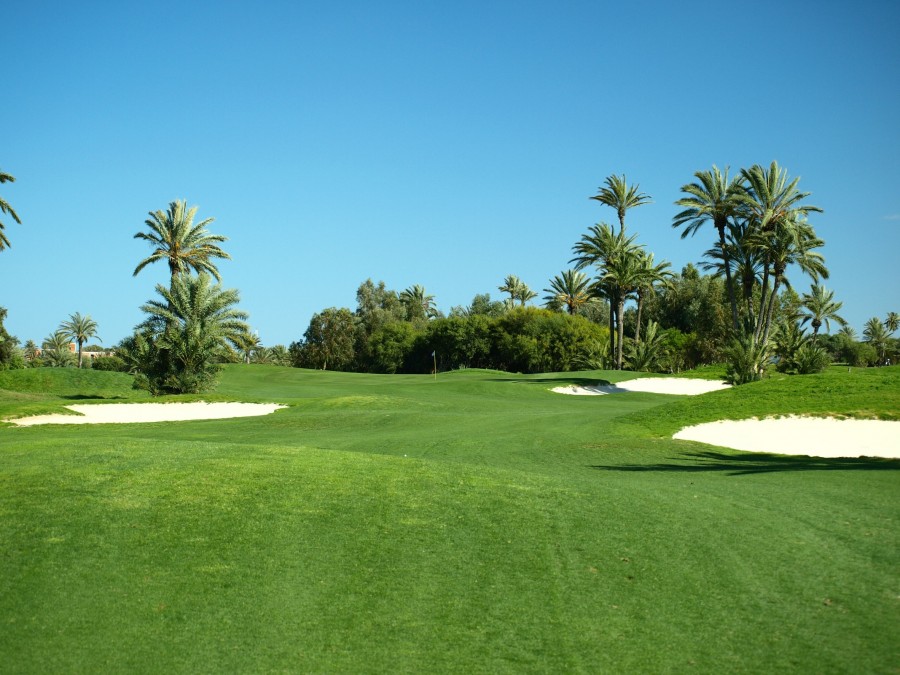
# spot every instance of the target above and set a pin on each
(743, 311)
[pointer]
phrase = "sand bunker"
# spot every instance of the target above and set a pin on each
(653, 385)
(813, 436)
(122, 413)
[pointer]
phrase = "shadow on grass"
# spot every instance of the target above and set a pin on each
(752, 463)
(87, 397)
(559, 381)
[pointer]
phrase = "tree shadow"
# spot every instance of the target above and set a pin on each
(560, 381)
(87, 397)
(753, 463)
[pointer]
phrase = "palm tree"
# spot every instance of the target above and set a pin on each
(603, 248)
(623, 276)
(419, 304)
(183, 245)
(746, 263)
(713, 198)
(820, 307)
(789, 243)
(571, 290)
(193, 324)
(619, 196)
(847, 332)
(517, 289)
(79, 329)
(649, 275)
(6, 208)
(30, 351)
(892, 322)
(773, 206)
(876, 335)
(56, 349)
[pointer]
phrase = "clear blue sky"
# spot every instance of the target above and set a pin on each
(445, 144)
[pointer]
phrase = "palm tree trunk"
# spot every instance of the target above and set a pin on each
(729, 284)
(762, 303)
(772, 298)
(637, 331)
(612, 327)
(620, 315)
(79, 353)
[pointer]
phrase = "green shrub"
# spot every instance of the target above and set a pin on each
(109, 363)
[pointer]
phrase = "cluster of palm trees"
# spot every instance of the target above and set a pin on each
(78, 329)
(518, 290)
(194, 321)
(762, 230)
(624, 269)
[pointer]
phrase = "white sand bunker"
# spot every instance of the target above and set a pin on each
(125, 413)
(813, 436)
(653, 385)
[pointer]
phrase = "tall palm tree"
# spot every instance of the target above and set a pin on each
(571, 290)
(772, 206)
(6, 208)
(619, 196)
(623, 274)
(30, 351)
(650, 274)
(419, 304)
(715, 199)
(789, 243)
(892, 322)
(79, 329)
(182, 244)
(820, 307)
(876, 335)
(602, 248)
(746, 263)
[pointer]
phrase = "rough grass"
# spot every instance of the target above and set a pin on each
(476, 522)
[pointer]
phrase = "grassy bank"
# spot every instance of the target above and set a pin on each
(476, 521)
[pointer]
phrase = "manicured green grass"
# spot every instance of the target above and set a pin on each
(474, 522)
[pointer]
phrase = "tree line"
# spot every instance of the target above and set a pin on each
(615, 307)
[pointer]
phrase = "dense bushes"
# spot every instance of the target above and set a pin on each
(525, 339)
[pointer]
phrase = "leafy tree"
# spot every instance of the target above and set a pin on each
(391, 346)
(618, 195)
(6, 208)
(183, 245)
(79, 329)
(571, 289)
(820, 307)
(10, 355)
(715, 199)
(187, 332)
(481, 305)
(328, 341)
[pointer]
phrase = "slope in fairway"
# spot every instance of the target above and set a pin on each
(398, 523)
